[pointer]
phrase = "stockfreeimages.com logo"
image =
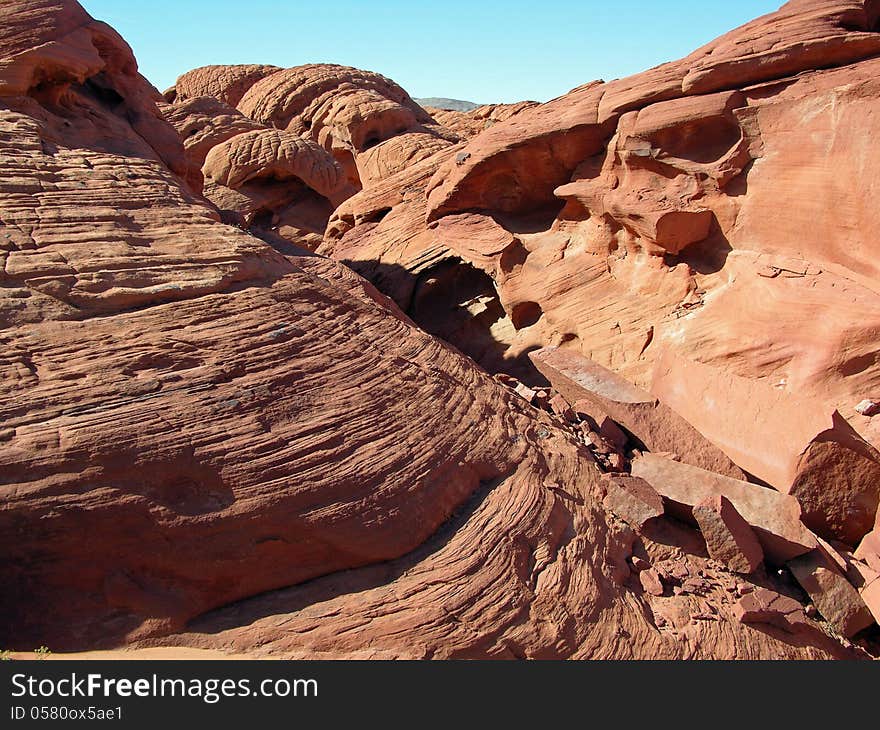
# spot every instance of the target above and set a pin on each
(209, 690)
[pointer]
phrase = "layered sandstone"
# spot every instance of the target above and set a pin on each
(703, 230)
(218, 440)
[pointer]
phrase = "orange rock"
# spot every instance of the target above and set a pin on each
(651, 422)
(774, 517)
(837, 601)
(728, 536)
(632, 499)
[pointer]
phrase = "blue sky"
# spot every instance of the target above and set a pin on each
(483, 51)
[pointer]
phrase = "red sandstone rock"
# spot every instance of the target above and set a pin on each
(774, 517)
(654, 424)
(669, 185)
(561, 407)
(814, 455)
(729, 538)
(193, 422)
(612, 433)
(765, 606)
(204, 122)
(835, 598)
(226, 84)
(469, 124)
(870, 594)
(868, 550)
(632, 499)
(651, 582)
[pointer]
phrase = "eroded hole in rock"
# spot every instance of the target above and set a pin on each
(187, 496)
(101, 89)
(376, 216)
(371, 141)
(182, 484)
(700, 140)
(858, 364)
(526, 314)
(513, 257)
(459, 304)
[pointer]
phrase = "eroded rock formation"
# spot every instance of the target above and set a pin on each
(215, 439)
(704, 230)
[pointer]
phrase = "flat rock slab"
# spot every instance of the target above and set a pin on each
(632, 499)
(774, 517)
(601, 391)
(796, 444)
(834, 596)
(870, 594)
(728, 536)
(764, 606)
(868, 550)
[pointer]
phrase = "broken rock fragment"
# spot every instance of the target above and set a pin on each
(632, 499)
(868, 408)
(651, 582)
(728, 536)
(834, 596)
(870, 594)
(868, 550)
(602, 393)
(797, 445)
(764, 606)
(774, 517)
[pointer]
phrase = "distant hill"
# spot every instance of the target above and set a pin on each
(455, 105)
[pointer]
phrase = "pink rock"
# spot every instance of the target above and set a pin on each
(728, 536)
(774, 517)
(834, 596)
(766, 606)
(868, 550)
(651, 582)
(632, 499)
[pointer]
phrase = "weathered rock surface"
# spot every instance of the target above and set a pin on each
(301, 141)
(814, 455)
(834, 596)
(471, 123)
(764, 606)
(775, 517)
(226, 84)
(632, 499)
(868, 550)
(604, 393)
(219, 441)
(728, 536)
(645, 234)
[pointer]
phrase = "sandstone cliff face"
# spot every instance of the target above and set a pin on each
(703, 229)
(192, 416)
